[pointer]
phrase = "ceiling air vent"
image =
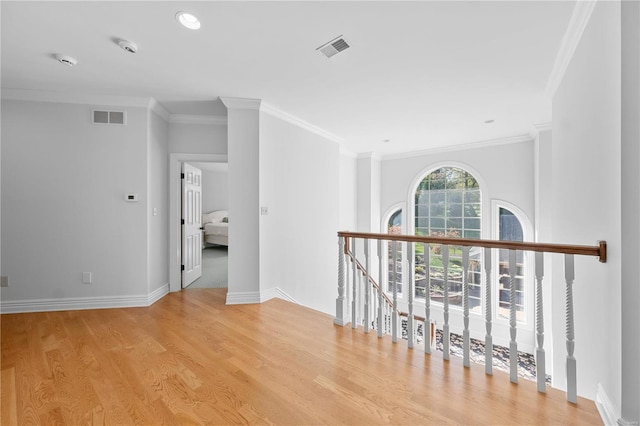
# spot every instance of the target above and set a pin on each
(109, 117)
(333, 47)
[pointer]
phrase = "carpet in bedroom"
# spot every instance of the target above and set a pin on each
(214, 268)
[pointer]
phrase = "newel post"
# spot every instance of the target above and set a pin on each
(342, 314)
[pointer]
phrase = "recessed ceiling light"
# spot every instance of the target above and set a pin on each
(188, 20)
(386, 140)
(489, 121)
(67, 60)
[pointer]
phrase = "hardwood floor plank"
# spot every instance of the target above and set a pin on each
(191, 359)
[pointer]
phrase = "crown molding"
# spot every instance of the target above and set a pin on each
(241, 103)
(346, 153)
(578, 22)
(537, 128)
(74, 98)
(217, 120)
(461, 147)
(156, 107)
(275, 112)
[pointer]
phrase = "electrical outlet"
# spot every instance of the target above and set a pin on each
(4, 281)
(86, 278)
(264, 210)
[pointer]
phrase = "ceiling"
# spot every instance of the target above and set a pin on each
(421, 75)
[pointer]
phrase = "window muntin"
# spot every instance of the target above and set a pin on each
(448, 204)
(510, 229)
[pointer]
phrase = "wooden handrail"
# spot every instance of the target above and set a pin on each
(599, 251)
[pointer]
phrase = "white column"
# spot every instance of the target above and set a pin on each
(394, 313)
(355, 275)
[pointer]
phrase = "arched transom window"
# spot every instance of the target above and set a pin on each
(448, 204)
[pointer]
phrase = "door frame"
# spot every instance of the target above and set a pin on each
(175, 205)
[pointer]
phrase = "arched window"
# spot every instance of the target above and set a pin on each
(510, 229)
(394, 226)
(448, 204)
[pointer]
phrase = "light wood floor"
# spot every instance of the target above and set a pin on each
(189, 359)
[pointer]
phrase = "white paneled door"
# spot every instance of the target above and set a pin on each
(191, 224)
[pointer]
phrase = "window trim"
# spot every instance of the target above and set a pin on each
(527, 235)
(384, 223)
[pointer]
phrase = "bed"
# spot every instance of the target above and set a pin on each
(216, 227)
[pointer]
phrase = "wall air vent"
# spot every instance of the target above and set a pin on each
(334, 47)
(109, 117)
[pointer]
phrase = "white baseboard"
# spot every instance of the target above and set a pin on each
(607, 409)
(79, 303)
(157, 294)
(249, 297)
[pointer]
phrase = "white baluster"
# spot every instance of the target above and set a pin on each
(445, 327)
(427, 301)
(466, 344)
(367, 289)
(569, 275)
(409, 273)
(513, 345)
(394, 314)
(540, 356)
(341, 306)
(354, 300)
(381, 282)
(488, 296)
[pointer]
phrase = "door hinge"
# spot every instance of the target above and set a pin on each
(182, 267)
(181, 175)
(181, 221)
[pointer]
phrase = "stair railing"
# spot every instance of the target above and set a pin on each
(380, 312)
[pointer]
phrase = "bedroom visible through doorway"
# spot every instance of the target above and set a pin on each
(215, 230)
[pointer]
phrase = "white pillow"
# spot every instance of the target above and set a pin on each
(214, 217)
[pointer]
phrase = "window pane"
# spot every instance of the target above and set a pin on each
(453, 211)
(510, 229)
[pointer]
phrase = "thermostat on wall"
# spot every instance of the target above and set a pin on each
(131, 197)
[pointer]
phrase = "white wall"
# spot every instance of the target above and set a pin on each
(587, 201)
(299, 183)
(215, 190)
(244, 197)
(630, 408)
(158, 206)
(64, 212)
(348, 194)
(197, 138)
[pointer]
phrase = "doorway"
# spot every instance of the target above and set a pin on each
(175, 215)
(214, 226)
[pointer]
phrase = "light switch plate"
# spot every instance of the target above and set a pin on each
(4, 281)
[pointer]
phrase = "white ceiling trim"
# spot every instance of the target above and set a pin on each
(460, 147)
(271, 110)
(579, 20)
(159, 109)
(241, 103)
(217, 120)
(75, 98)
(537, 128)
